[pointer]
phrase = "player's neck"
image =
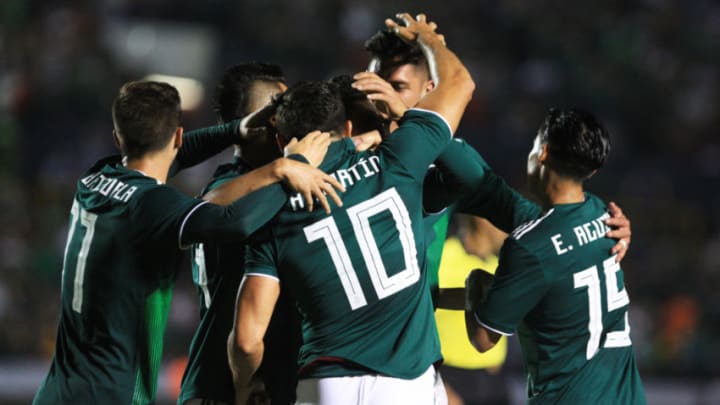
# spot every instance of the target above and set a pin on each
(562, 190)
(155, 166)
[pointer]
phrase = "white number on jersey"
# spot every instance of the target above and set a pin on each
(360, 214)
(202, 279)
(87, 220)
(615, 299)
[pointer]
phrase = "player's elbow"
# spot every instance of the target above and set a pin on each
(482, 345)
(463, 84)
(242, 346)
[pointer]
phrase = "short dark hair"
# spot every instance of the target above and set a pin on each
(309, 106)
(145, 116)
(577, 143)
(232, 94)
(392, 51)
(360, 110)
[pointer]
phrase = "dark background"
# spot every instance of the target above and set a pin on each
(648, 69)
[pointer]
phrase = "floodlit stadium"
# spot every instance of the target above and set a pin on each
(648, 71)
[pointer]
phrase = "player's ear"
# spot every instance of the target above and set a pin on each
(178, 138)
(429, 86)
(542, 158)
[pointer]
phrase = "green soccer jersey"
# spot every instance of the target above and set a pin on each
(461, 181)
(558, 286)
(358, 274)
(217, 270)
(123, 249)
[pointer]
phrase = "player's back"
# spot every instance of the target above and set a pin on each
(358, 274)
(119, 266)
(576, 340)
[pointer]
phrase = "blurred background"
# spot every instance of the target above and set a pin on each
(648, 69)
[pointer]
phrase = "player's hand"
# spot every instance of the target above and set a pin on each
(414, 29)
(368, 140)
(381, 92)
(311, 183)
(619, 229)
(313, 147)
(477, 285)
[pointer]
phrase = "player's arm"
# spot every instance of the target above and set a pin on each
(462, 177)
(453, 84)
(619, 229)
(201, 144)
(294, 171)
(253, 309)
(476, 286)
(496, 306)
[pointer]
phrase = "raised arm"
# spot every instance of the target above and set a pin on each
(202, 144)
(453, 84)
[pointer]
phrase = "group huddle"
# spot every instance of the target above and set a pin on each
(309, 249)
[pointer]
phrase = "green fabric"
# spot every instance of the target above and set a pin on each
(122, 250)
(554, 284)
(436, 227)
(365, 309)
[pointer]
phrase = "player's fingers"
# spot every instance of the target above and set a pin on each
(620, 249)
(405, 18)
(308, 196)
(421, 18)
(441, 37)
(322, 198)
(363, 75)
(331, 180)
(432, 26)
(370, 86)
(330, 191)
(614, 209)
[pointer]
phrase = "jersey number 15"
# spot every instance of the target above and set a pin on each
(616, 299)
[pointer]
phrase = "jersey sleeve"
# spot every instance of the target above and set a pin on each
(421, 137)
(202, 144)
(457, 171)
(160, 212)
(260, 258)
(518, 286)
(237, 221)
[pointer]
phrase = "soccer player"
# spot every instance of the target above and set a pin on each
(218, 267)
(369, 333)
(399, 76)
(556, 283)
(127, 229)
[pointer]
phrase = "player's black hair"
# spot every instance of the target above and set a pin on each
(360, 110)
(145, 116)
(577, 143)
(392, 51)
(232, 94)
(310, 106)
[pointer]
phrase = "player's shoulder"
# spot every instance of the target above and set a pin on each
(418, 117)
(225, 173)
(533, 231)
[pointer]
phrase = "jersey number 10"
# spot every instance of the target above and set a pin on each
(360, 214)
(616, 299)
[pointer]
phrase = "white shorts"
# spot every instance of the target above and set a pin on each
(368, 390)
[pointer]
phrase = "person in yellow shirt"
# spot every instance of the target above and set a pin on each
(470, 377)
